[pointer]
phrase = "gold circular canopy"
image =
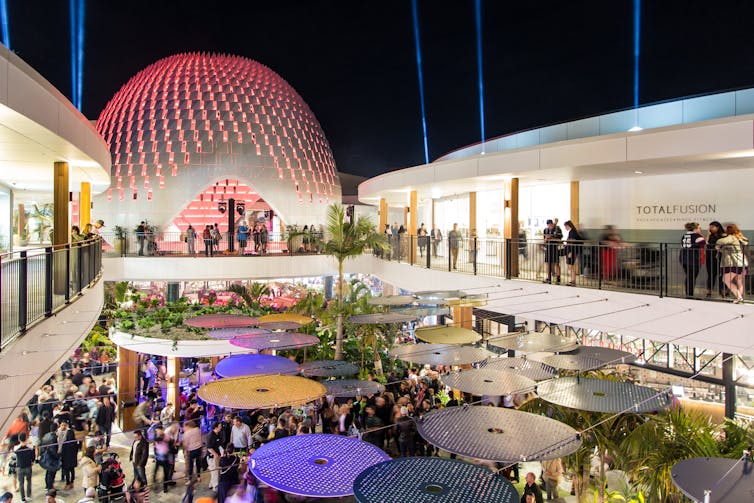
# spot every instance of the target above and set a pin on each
(443, 334)
(286, 317)
(261, 392)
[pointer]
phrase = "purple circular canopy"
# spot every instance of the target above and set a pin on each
(275, 340)
(220, 320)
(246, 365)
(319, 465)
(229, 333)
(280, 325)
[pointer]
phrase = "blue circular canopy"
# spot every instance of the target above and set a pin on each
(318, 465)
(246, 365)
(432, 480)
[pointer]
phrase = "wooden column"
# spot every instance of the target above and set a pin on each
(383, 214)
(433, 213)
(85, 205)
(511, 227)
(173, 388)
(413, 216)
(61, 233)
(472, 213)
(575, 203)
(462, 317)
(128, 385)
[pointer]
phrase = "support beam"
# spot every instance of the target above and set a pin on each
(173, 387)
(61, 233)
(128, 384)
(85, 205)
(575, 203)
(729, 385)
(462, 317)
(22, 231)
(472, 213)
(412, 225)
(383, 214)
(511, 227)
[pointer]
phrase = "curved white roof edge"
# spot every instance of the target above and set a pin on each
(726, 143)
(40, 126)
(181, 349)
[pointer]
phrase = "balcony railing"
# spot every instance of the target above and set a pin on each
(37, 282)
(646, 268)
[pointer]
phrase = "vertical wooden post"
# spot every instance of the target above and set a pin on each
(575, 203)
(383, 214)
(60, 233)
(472, 213)
(511, 227)
(462, 317)
(412, 226)
(128, 384)
(173, 387)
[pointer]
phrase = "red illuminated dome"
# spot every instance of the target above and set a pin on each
(202, 118)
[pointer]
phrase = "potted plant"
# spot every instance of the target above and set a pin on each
(121, 242)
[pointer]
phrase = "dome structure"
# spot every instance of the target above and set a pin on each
(192, 121)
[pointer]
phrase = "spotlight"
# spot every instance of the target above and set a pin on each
(222, 206)
(241, 207)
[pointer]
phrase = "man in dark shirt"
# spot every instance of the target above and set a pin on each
(105, 418)
(139, 456)
(214, 441)
(374, 435)
(531, 487)
(553, 236)
(24, 461)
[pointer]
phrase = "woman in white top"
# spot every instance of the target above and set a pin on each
(734, 260)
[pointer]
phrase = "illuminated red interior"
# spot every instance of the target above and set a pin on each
(203, 210)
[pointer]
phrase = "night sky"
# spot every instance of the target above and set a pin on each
(354, 61)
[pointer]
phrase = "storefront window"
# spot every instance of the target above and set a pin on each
(489, 214)
(5, 219)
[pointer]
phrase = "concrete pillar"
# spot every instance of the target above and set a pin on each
(383, 214)
(127, 378)
(61, 232)
(329, 281)
(462, 317)
(575, 203)
(511, 227)
(174, 291)
(173, 388)
(413, 216)
(85, 205)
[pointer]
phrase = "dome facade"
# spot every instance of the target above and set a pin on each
(190, 120)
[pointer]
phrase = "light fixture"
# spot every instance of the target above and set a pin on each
(639, 172)
(635, 129)
(222, 206)
(240, 207)
(507, 203)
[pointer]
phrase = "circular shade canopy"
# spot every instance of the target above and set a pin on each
(261, 392)
(527, 368)
(421, 312)
(444, 334)
(432, 480)
(488, 382)
(725, 481)
(220, 320)
(497, 434)
(328, 368)
(589, 358)
(477, 299)
(380, 318)
(601, 395)
(292, 317)
(229, 333)
(246, 365)
(440, 354)
(275, 340)
(392, 300)
(318, 466)
(346, 388)
(440, 295)
(280, 325)
(534, 342)
(171, 347)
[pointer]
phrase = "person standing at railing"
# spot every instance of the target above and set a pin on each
(190, 239)
(422, 239)
(141, 236)
(216, 237)
(734, 260)
(207, 237)
(690, 256)
(454, 243)
(574, 240)
(243, 236)
(712, 258)
(263, 239)
(436, 237)
(610, 241)
(553, 235)
(402, 241)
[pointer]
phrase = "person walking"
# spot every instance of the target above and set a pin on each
(214, 451)
(192, 449)
(216, 237)
(191, 239)
(68, 450)
(574, 240)
(552, 471)
(207, 237)
(24, 462)
(138, 456)
(436, 237)
(243, 236)
(90, 469)
(454, 243)
(734, 260)
(141, 236)
(49, 458)
(690, 256)
(712, 258)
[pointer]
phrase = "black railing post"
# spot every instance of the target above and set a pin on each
(475, 251)
(662, 269)
(667, 269)
(23, 292)
(429, 251)
(48, 281)
(67, 273)
(450, 253)
(80, 255)
(507, 263)
(599, 265)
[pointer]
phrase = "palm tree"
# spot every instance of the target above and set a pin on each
(344, 241)
(252, 295)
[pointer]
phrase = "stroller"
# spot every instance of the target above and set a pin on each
(112, 486)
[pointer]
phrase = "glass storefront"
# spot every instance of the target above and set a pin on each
(6, 222)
